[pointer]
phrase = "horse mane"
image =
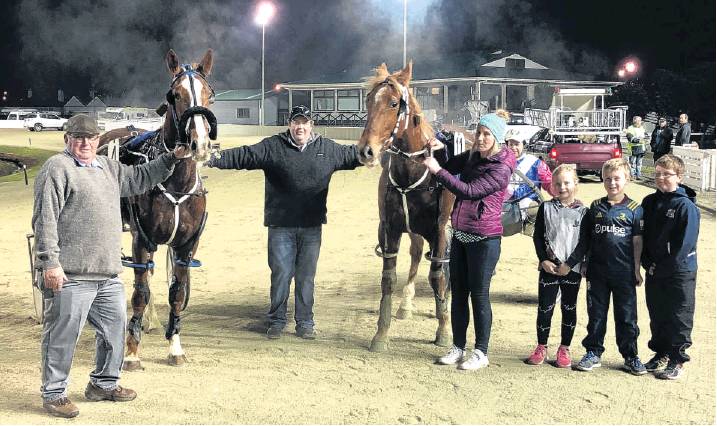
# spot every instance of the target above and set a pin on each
(371, 81)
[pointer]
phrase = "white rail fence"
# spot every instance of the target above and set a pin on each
(700, 165)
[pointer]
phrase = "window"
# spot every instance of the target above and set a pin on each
(429, 97)
(242, 112)
(349, 100)
(324, 100)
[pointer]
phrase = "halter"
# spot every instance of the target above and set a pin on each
(404, 112)
(181, 123)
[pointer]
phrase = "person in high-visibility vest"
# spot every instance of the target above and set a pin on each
(636, 146)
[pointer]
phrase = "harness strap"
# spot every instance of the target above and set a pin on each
(404, 191)
(176, 203)
(380, 253)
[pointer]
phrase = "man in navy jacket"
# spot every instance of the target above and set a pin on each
(298, 166)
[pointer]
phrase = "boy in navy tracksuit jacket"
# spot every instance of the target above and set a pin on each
(672, 223)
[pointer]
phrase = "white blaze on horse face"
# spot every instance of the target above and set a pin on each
(200, 133)
(188, 87)
(379, 95)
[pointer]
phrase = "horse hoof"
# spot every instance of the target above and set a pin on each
(404, 314)
(132, 366)
(443, 341)
(378, 346)
(176, 360)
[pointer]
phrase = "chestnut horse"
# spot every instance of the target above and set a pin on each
(174, 212)
(409, 198)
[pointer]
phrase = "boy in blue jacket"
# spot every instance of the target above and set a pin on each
(671, 227)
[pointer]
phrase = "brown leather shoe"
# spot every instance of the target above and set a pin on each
(118, 394)
(61, 407)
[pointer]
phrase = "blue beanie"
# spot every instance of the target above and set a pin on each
(495, 124)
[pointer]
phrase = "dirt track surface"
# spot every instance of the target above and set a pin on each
(236, 375)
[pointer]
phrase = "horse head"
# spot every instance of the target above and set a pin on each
(394, 120)
(188, 99)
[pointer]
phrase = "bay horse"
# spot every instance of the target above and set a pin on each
(174, 212)
(409, 198)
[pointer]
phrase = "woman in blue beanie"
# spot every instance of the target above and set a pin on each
(480, 188)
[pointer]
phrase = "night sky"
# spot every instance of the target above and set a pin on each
(118, 47)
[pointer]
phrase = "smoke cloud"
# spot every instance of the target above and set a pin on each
(118, 47)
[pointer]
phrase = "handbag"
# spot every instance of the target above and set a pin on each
(511, 219)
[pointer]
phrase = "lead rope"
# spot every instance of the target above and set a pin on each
(176, 203)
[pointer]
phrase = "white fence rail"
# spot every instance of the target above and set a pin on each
(592, 122)
(700, 167)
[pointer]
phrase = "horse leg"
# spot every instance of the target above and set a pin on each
(390, 245)
(405, 310)
(441, 293)
(140, 298)
(150, 320)
(177, 294)
(439, 275)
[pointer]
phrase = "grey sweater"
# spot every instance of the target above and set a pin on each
(76, 217)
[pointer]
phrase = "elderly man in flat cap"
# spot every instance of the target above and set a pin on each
(77, 225)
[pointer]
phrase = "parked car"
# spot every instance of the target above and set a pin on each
(525, 131)
(44, 120)
(14, 119)
(588, 158)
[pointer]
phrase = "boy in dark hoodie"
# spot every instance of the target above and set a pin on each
(672, 224)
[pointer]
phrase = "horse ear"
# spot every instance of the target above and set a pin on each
(404, 76)
(173, 62)
(382, 70)
(205, 67)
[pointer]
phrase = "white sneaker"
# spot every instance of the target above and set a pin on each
(477, 360)
(452, 357)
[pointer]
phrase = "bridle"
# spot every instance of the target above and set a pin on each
(181, 123)
(403, 114)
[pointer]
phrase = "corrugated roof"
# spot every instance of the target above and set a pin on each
(461, 65)
(96, 102)
(74, 102)
(241, 95)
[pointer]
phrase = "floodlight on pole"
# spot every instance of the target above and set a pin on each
(405, 24)
(264, 13)
(621, 73)
(630, 67)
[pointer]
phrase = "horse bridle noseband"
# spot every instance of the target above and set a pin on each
(180, 123)
(404, 113)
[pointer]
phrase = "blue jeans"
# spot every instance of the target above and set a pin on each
(293, 253)
(636, 165)
(472, 266)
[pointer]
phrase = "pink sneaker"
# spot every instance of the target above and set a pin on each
(562, 358)
(538, 356)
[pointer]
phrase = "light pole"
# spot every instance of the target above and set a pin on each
(405, 5)
(264, 13)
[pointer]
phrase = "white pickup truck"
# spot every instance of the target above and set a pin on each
(44, 120)
(14, 119)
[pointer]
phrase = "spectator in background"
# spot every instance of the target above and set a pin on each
(636, 135)
(536, 171)
(661, 139)
(684, 132)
